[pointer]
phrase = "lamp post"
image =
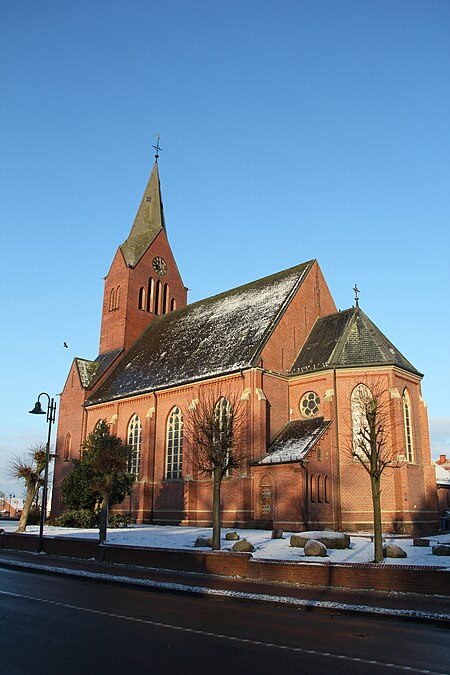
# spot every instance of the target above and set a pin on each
(51, 410)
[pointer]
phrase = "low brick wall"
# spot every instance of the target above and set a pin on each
(401, 578)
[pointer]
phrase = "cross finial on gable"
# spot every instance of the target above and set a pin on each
(356, 289)
(157, 146)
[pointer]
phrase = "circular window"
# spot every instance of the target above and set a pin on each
(309, 405)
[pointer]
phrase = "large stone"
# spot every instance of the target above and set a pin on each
(203, 542)
(232, 536)
(243, 546)
(441, 549)
(329, 539)
(421, 542)
(277, 534)
(314, 547)
(393, 551)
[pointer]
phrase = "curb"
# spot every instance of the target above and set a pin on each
(439, 619)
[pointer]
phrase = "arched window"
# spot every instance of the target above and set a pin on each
(312, 488)
(141, 301)
(174, 445)
(150, 292)
(158, 297)
(166, 299)
(112, 299)
(67, 447)
(327, 489)
(224, 416)
(117, 303)
(173, 305)
(319, 489)
(407, 421)
(134, 441)
(361, 395)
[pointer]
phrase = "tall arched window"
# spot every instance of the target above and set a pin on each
(67, 447)
(224, 416)
(174, 452)
(407, 421)
(173, 304)
(319, 489)
(312, 488)
(117, 303)
(327, 489)
(158, 297)
(150, 292)
(112, 299)
(134, 441)
(141, 301)
(360, 396)
(166, 299)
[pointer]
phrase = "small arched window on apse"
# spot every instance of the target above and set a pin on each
(312, 488)
(327, 489)
(166, 299)
(158, 297)
(407, 421)
(174, 445)
(150, 294)
(319, 489)
(67, 447)
(141, 300)
(173, 305)
(134, 441)
(116, 306)
(112, 299)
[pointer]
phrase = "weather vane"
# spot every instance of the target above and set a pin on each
(356, 289)
(157, 146)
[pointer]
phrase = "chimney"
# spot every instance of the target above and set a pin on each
(442, 459)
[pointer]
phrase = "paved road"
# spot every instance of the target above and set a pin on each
(58, 625)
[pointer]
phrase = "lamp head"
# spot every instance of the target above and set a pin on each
(37, 410)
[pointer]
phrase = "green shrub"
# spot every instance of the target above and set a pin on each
(34, 517)
(78, 518)
(120, 520)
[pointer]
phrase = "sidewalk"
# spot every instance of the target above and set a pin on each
(402, 606)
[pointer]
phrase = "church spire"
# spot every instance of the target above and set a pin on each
(148, 223)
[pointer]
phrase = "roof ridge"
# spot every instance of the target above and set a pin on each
(340, 343)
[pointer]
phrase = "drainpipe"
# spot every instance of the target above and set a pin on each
(154, 456)
(338, 510)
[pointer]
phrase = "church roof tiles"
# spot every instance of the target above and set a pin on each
(212, 337)
(347, 339)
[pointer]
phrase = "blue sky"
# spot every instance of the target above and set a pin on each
(290, 130)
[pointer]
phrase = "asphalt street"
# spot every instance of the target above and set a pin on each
(56, 624)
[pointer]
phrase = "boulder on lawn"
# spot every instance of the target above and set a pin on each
(328, 538)
(393, 551)
(314, 547)
(441, 549)
(243, 546)
(277, 534)
(203, 542)
(232, 536)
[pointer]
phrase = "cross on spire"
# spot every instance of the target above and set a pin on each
(356, 289)
(157, 146)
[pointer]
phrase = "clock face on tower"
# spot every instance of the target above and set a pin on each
(160, 266)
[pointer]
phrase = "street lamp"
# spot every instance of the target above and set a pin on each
(51, 410)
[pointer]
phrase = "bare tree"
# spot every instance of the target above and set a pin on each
(215, 428)
(371, 447)
(30, 469)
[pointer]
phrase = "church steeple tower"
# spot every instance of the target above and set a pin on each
(144, 280)
(148, 223)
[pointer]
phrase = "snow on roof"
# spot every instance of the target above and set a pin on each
(211, 337)
(442, 475)
(295, 441)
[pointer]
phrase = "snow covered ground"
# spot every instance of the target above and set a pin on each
(165, 536)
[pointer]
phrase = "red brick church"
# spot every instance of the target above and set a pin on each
(282, 347)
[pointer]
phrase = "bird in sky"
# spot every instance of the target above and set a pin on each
(66, 345)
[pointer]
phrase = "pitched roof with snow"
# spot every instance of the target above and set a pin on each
(208, 338)
(295, 440)
(91, 371)
(346, 339)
